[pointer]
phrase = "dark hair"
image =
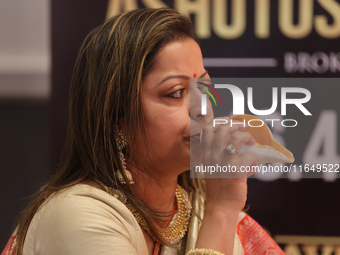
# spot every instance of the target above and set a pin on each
(106, 85)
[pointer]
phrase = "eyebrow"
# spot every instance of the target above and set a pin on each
(181, 77)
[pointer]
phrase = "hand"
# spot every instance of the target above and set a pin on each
(229, 192)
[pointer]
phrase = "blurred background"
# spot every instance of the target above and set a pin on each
(239, 39)
(25, 90)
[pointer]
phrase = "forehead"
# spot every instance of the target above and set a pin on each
(179, 56)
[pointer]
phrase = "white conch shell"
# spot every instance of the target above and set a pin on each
(266, 149)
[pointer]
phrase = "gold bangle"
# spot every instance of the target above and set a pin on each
(204, 252)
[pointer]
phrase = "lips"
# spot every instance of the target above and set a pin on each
(196, 137)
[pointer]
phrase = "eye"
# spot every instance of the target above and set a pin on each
(177, 94)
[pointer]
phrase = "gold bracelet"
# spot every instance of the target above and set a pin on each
(204, 252)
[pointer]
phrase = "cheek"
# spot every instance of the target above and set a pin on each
(164, 117)
(165, 125)
(166, 130)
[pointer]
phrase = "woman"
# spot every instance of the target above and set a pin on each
(124, 186)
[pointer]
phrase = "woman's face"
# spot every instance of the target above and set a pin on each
(170, 119)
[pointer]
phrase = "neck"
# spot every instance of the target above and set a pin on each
(158, 191)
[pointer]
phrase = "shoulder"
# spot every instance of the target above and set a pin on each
(85, 199)
(81, 203)
(84, 217)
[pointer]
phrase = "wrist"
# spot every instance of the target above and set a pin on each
(218, 229)
(221, 212)
(230, 208)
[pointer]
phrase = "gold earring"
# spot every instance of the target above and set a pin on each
(121, 144)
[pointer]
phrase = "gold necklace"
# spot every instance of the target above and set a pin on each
(178, 226)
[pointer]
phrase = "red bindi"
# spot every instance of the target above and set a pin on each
(194, 75)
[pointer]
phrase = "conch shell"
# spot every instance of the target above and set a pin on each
(266, 149)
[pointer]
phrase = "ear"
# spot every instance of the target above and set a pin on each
(121, 126)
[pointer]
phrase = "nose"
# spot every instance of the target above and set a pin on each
(195, 112)
(196, 106)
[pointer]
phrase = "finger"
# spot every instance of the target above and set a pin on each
(238, 138)
(222, 134)
(207, 137)
(237, 126)
(221, 121)
(208, 133)
(221, 138)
